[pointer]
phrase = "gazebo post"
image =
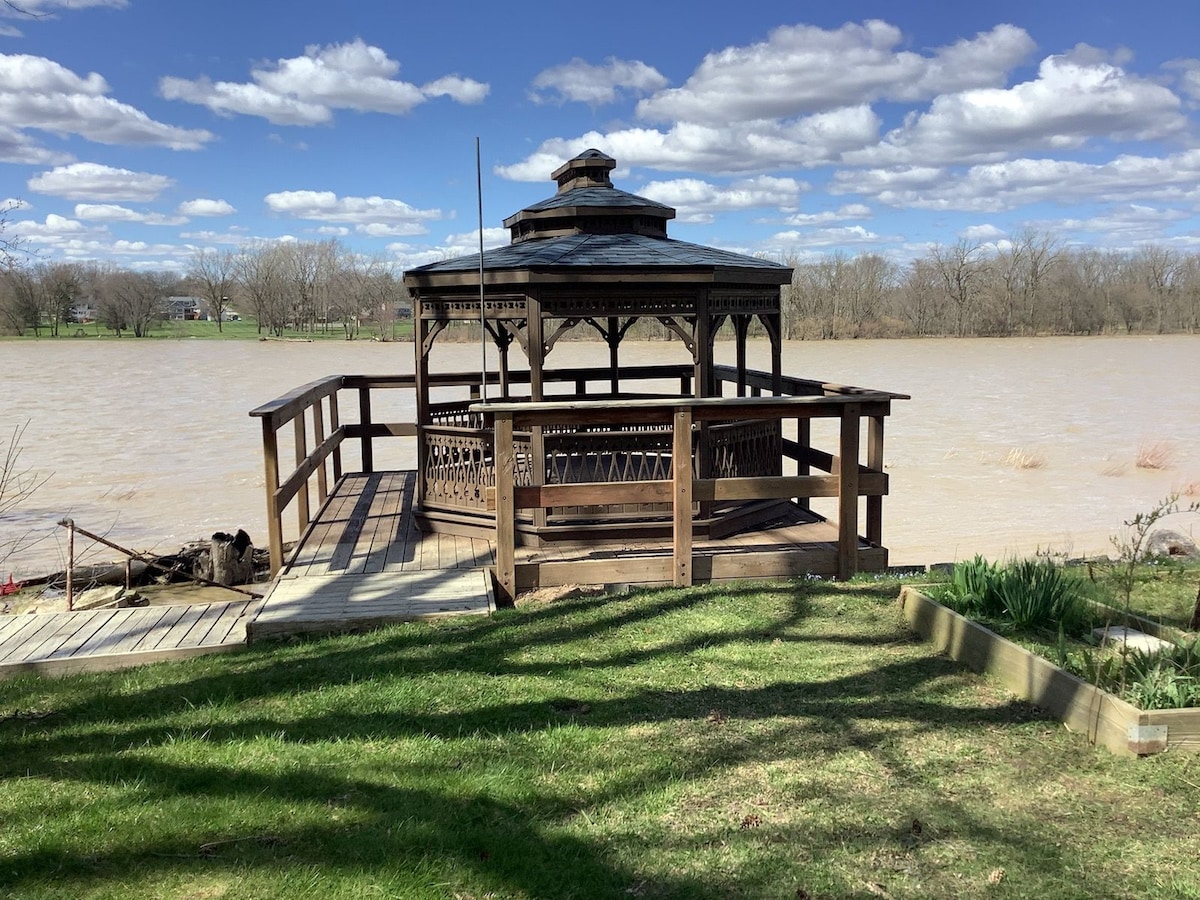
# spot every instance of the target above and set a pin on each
(421, 386)
(535, 338)
(741, 328)
(613, 338)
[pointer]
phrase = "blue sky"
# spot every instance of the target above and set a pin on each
(134, 131)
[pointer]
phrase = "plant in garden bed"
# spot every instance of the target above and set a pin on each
(1158, 679)
(1023, 595)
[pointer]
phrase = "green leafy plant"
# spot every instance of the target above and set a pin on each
(1159, 679)
(1035, 593)
(971, 590)
(1029, 594)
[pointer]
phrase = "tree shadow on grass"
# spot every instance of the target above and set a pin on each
(108, 738)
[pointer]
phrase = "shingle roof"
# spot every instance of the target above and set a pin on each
(603, 250)
(598, 195)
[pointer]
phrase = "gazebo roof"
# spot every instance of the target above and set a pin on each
(591, 226)
(606, 250)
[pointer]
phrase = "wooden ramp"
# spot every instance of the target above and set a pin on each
(363, 563)
(102, 639)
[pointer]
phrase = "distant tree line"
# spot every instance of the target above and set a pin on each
(1031, 285)
(301, 285)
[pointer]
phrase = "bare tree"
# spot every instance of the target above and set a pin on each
(1041, 252)
(260, 269)
(960, 269)
(60, 286)
(919, 298)
(17, 485)
(1159, 268)
(133, 301)
(21, 300)
(10, 245)
(214, 272)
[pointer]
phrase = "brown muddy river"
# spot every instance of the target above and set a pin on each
(150, 442)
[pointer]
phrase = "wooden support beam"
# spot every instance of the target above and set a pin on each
(271, 480)
(364, 419)
(874, 532)
(681, 464)
(334, 425)
(318, 439)
(506, 571)
(847, 473)
(302, 509)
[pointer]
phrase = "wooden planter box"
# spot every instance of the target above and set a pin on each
(1105, 719)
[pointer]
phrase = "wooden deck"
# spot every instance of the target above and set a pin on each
(102, 639)
(363, 563)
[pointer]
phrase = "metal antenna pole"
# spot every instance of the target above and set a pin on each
(482, 314)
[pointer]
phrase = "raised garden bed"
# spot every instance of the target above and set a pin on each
(1104, 718)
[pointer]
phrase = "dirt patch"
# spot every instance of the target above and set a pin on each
(557, 593)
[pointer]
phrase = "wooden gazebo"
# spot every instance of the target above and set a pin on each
(637, 474)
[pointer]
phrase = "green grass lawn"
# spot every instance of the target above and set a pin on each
(791, 741)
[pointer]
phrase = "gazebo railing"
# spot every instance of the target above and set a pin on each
(848, 480)
(314, 413)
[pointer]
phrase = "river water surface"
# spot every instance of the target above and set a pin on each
(150, 441)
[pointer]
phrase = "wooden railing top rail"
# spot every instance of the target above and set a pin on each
(707, 409)
(799, 386)
(282, 409)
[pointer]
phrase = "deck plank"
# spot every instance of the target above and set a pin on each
(325, 533)
(83, 634)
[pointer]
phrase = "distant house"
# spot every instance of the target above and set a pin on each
(183, 309)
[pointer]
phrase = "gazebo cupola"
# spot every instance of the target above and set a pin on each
(587, 203)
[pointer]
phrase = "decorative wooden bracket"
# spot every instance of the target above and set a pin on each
(436, 327)
(565, 326)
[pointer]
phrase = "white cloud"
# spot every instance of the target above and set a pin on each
(305, 90)
(1066, 105)
(16, 147)
(1126, 223)
(841, 214)
(461, 90)
(110, 212)
(38, 93)
(803, 69)
(464, 243)
(1002, 186)
(49, 231)
(1186, 74)
(982, 234)
(204, 207)
(697, 201)
(582, 82)
(92, 181)
(232, 236)
(383, 229)
(366, 212)
(852, 235)
(45, 7)
(747, 147)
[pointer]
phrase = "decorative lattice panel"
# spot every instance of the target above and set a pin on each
(746, 449)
